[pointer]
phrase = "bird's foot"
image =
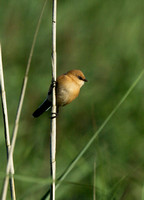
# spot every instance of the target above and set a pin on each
(53, 115)
(53, 83)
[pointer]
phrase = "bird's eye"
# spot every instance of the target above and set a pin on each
(80, 78)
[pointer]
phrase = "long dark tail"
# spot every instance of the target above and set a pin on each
(42, 108)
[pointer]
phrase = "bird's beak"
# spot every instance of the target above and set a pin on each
(85, 80)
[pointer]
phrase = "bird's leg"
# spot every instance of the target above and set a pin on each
(53, 83)
(54, 115)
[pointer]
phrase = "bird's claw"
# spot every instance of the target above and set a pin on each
(53, 83)
(53, 115)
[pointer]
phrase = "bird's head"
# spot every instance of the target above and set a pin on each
(77, 76)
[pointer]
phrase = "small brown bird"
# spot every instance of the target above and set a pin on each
(67, 89)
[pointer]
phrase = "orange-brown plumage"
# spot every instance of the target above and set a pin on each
(67, 89)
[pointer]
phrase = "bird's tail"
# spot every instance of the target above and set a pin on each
(42, 108)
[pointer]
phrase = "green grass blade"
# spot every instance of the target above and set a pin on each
(29, 179)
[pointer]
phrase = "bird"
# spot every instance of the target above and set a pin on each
(67, 89)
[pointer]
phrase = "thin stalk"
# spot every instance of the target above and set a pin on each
(22, 95)
(6, 128)
(53, 120)
(89, 143)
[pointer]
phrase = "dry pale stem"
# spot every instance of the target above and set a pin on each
(7, 136)
(53, 120)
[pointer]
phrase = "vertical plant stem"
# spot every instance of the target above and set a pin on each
(53, 120)
(22, 95)
(6, 130)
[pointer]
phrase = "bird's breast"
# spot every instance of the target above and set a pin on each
(66, 92)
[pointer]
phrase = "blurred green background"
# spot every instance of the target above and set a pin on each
(105, 39)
